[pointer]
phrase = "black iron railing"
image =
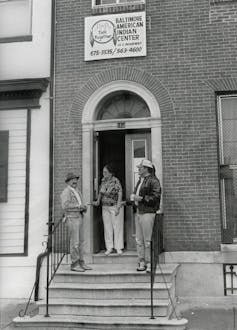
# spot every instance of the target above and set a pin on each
(230, 279)
(57, 246)
(157, 247)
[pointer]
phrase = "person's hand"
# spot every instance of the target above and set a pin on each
(83, 208)
(95, 203)
(137, 198)
(116, 211)
(132, 197)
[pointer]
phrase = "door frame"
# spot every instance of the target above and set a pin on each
(90, 125)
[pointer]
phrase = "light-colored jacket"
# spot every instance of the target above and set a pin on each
(70, 203)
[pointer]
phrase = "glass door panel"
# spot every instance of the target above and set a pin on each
(137, 147)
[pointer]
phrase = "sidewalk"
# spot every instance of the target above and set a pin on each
(10, 308)
(208, 314)
(218, 313)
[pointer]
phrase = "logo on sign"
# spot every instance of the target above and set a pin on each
(103, 32)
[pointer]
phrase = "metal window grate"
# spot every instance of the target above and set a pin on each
(230, 279)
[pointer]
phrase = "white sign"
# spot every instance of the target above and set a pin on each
(112, 36)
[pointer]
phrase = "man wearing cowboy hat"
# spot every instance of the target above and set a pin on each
(146, 198)
(74, 208)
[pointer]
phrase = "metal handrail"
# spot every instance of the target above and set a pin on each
(35, 288)
(57, 248)
(157, 248)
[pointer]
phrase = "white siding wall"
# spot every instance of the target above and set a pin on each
(22, 60)
(17, 273)
(29, 59)
(12, 213)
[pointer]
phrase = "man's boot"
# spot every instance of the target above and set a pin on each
(84, 266)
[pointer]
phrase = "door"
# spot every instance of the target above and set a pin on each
(137, 147)
(109, 148)
(124, 150)
(97, 218)
(228, 165)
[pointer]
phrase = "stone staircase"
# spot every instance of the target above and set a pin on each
(111, 296)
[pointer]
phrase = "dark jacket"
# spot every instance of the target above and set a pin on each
(151, 192)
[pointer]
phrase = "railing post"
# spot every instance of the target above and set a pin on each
(47, 282)
(49, 250)
(152, 279)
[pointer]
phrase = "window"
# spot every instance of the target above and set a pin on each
(4, 138)
(122, 105)
(227, 115)
(115, 2)
(15, 18)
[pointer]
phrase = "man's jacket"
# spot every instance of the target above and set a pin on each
(150, 192)
(70, 203)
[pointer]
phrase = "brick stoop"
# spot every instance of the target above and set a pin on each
(113, 295)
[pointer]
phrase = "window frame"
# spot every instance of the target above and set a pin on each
(5, 135)
(25, 36)
(223, 166)
(117, 3)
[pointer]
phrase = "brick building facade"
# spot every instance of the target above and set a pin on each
(188, 68)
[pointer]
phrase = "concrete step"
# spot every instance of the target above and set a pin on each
(115, 273)
(106, 308)
(110, 290)
(128, 257)
(40, 322)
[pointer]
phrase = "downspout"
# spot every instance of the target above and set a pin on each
(52, 103)
(41, 256)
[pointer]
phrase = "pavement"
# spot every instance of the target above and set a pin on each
(209, 313)
(202, 314)
(10, 308)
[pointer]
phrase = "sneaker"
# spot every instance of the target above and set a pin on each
(84, 266)
(77, 268)
(141, 266)
(148, 267)
(119, 252)
(107, 252)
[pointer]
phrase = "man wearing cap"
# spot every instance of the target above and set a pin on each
(146, 198)
(74, 208)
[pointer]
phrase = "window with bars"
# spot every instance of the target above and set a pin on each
(4, 146)
(15, 18)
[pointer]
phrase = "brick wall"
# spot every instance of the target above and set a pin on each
(191, 51)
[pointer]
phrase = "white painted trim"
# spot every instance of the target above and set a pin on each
(199, 257)
(90, 124)
(89, 114)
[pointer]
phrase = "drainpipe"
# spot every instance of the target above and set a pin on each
(51, 105)
(41, 256)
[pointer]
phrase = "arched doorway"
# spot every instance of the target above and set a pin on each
(121, 125)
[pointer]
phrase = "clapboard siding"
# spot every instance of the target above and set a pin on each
(12, 213)
(14, 228)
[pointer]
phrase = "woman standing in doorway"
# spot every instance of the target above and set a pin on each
(110, 197)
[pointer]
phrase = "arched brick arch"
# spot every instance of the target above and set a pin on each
(121, 73)
(222, 84)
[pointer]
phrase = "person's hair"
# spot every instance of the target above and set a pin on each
(109, 168)
(150, 170)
